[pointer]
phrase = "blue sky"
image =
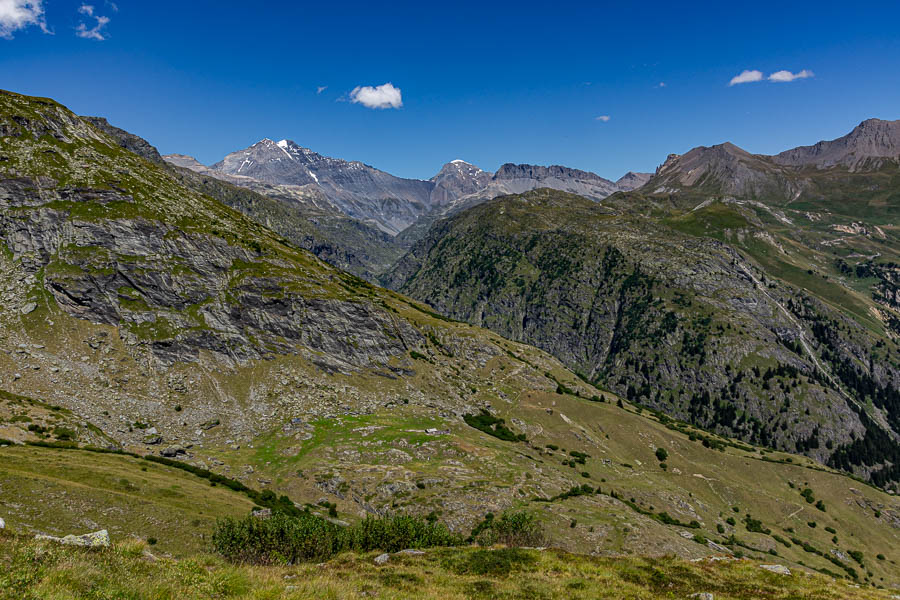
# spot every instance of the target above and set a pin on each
(486, 82)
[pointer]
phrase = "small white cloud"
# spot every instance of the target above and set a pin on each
(321, 89)
(746, 77)
(603, 118)
(785, 76)
(91, 33)
(382, 96)
(661, 84)
(19, 14)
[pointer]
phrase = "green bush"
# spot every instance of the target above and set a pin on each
(662, 454)
(512, 529)
(492, 563)
(284, 539)
(494, 426)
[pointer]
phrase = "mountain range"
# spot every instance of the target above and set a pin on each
(693, 366)
(391, 203)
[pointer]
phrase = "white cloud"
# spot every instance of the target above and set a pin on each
(661, 84)
(321, 89)
(19, 14)
(603, 118)
(785, 76)
(746, 77)
(91, 33)
(383, 96)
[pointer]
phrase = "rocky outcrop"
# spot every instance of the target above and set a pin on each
(97, 539)
(126, 140)
(182, 293)
(113, 238)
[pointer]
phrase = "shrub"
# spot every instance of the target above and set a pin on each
(494, 426)
(284, 539)
(512, 529)
(494, 563)
(755, 525)
(662, 454)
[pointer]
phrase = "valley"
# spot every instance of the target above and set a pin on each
(543, 352)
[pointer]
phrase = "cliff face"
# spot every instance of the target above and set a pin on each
(114, 239)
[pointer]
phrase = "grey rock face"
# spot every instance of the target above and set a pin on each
(237, 318)
(129, 141)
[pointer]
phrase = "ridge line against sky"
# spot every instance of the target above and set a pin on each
(405, 88)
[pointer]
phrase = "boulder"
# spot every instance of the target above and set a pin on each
(2, 524)
(780, 569)
(28, 308)
(172, 451)
(97, 539)
(382, 559)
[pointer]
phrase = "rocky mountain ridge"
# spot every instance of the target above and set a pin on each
(393, 204)
(726, 169)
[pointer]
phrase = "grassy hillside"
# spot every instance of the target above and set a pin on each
(129, 570)
(161, 322)
(702, 313)
(57, 492)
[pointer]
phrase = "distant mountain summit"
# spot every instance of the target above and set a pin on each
(455, 179)
(394, 204)
(359, 190)
(868, 145)
(727, 169)
(631, 181)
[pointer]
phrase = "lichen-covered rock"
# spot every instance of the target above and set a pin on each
(96, 539)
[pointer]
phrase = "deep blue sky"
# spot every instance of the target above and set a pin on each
(486, 82)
